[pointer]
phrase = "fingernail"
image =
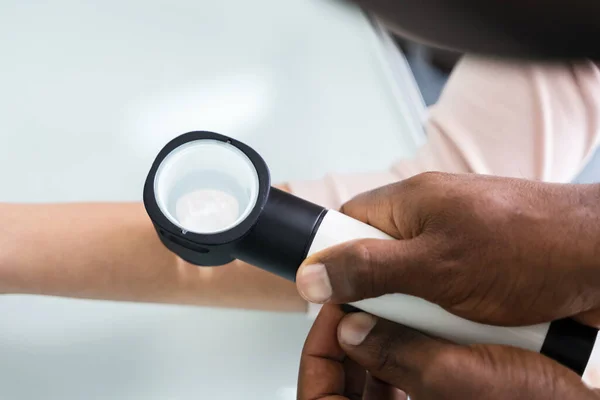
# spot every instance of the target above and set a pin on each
(313, 283)
(355, 328)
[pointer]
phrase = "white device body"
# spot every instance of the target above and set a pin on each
(337, 228)
(417, 313)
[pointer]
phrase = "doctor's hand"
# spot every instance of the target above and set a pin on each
(494, 250)
(339, 349)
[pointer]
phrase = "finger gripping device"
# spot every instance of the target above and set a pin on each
(211, 202)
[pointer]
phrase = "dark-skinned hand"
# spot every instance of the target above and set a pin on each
(494, 250)
(425, 368)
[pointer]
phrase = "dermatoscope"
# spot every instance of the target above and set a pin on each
(211, 201)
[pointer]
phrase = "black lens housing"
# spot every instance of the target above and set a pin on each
(275, 236)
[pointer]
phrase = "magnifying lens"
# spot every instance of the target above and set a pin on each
(211, 202)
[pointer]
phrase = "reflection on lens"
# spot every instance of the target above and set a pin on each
(207, 210)
(206, 186)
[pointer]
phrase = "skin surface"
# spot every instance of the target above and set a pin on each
(110, 251)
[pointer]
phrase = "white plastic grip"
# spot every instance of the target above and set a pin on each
(337, 228)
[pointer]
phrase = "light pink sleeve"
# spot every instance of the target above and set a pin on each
(512, 119)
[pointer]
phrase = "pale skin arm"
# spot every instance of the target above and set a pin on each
(110, 251)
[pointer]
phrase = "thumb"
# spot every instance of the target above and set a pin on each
(399, 356)
(429, 368)
(368, 268)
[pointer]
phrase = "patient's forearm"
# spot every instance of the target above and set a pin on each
(111, 252)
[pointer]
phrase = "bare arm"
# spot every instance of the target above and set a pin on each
(111, 252)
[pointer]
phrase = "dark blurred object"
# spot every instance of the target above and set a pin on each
(541, 29)
(430, 66)
(442, 59)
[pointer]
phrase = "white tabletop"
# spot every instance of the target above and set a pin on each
(90, 91)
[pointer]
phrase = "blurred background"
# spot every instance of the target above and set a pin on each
(90, 91)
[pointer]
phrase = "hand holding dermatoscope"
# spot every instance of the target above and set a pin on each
(211, 202)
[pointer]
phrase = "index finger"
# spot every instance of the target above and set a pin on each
(397, 209)
(322, 374)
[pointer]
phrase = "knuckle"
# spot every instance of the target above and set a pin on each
(426, 178)
(484, 357)
(365, 272)
(358, 206)
(441, 367)
(429, 175)
(361, 252)
(346, 207)
(372, 277)
(386, 360)
(413, 182)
